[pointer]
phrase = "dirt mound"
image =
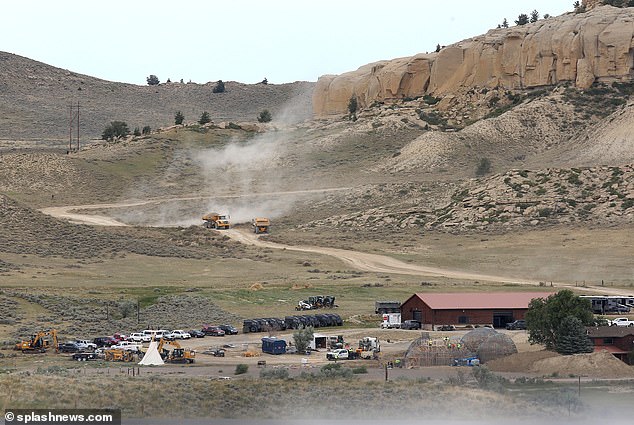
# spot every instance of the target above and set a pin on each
(593, 365)
(548, 363)
(519, 362)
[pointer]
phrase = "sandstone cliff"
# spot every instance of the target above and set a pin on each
(577, 48)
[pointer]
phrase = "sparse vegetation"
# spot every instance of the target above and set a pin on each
(484, 167)
(219, 87)
(265, 116)
(115, 130)
(179, 118)
(152, 80)
(204, 118)
(241, 369)
(352, 108)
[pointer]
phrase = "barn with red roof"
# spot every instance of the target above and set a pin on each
(477, 308)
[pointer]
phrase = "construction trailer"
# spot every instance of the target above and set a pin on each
(272, 345)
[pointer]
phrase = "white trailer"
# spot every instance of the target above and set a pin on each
(391, 320)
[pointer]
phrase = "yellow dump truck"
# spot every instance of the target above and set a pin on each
(216, 221)
(260, 225)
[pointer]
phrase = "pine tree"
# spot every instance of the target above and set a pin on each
(179, 118)
(572, 337)
(204, 118)
(522, 19)
(505, 23)
(534, 16)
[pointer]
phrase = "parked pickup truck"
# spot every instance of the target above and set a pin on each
(85, 344)
(128, 345)
(622, 321)
(342, 354)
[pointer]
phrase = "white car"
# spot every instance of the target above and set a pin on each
(139, 337)
(86, 344)
(178, 334)
(128, 345)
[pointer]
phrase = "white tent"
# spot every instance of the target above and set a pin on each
(152, 356)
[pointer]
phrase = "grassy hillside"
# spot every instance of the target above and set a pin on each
(35, 99)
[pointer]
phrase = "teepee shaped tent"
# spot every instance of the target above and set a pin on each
(152, 356)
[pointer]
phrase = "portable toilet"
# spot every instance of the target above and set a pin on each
(273, 345)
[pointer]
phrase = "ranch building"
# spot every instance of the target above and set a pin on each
(462, 309)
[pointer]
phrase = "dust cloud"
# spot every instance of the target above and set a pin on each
(240, 178)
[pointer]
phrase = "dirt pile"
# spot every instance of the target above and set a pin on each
(594, 365)
(519, 362)
(548, 363)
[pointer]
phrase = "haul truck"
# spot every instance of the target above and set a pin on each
(260, 225)
(216, 221)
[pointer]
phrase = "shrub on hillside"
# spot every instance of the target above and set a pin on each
(146, 130)
(265, 116)
(219, 87)
(204, 118)
(152, 80)
(179, 118)
(115, 130)
(484, 167)
(241, 369)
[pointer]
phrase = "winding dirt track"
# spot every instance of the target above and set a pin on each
(358, 260)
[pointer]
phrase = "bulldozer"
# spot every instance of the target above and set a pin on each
(216, 221)
(118, 355)
(260, 225)
(39, 343)
(177, 354)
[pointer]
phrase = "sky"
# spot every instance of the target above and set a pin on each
(243, 40)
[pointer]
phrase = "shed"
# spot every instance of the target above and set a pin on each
(319, 341)
(496, 308)
(273, 345)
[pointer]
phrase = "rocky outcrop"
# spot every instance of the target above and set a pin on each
(577, 48)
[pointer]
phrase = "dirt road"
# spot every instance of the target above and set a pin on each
(359, 260)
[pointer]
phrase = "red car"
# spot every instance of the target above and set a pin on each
(119, 337)
(213, 330)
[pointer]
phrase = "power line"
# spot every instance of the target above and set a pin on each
(73, 115)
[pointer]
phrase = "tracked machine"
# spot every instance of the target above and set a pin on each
(39, 342)
(177, 354)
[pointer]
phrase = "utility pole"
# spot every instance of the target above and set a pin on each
(72, 116)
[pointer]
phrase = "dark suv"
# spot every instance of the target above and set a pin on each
(518, 324)
(411, 324)
(229, 330)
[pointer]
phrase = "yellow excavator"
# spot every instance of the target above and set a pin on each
(177, 354)
(39, 342)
